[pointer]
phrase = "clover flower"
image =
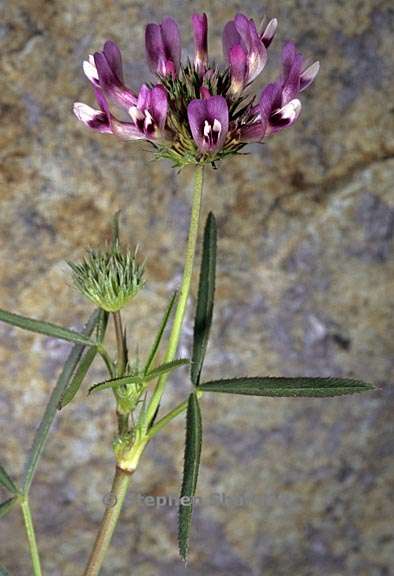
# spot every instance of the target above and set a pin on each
(163, 47)
(246, 50)
(197, 112)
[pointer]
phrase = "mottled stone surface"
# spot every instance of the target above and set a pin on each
(305, 286)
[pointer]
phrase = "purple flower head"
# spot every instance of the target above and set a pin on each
(244, 50)
(208, 120)
(200, 33)
(105, 71)
(279, 106)
(163, 47)
(200, 112)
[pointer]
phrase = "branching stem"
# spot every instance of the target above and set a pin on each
(122, 477)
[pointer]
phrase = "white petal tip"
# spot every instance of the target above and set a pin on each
(292, 110)
(90, 70)
(84, 113)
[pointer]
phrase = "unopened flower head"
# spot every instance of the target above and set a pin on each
(198, 112)
(109, 278)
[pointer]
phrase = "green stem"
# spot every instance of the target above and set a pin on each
(183, 294)
(116, 498)
(121, 363)
(31, 535)
(170, 416)
(120, 344)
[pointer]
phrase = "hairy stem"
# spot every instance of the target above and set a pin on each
(114, 505)
(183, 294)
(31, 535)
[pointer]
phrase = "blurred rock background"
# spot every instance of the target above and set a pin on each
(305, 286)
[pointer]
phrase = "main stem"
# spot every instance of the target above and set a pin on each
(184, 291)
(31, 536)
(114, 505)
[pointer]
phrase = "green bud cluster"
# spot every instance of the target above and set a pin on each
(109, 278)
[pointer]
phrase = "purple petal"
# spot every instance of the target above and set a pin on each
(154, 46)
(126, 130)
(288, 56)
(211, 114)
(238, 67)
(270, 30)
(111, 84)
(159, 105)
(257, 59)
(254, 132)
(200, 33)
(114, 58)
(197, 114)
(94, 119)
(270, 99)
(102, 101)
(217, 110)
(308, 75)
(171, 40)
(144, 97)
(253, 45)
(230, 38)
(105, 74)
(168, 68)
(244, 28)
(291, 86)
(204, 93)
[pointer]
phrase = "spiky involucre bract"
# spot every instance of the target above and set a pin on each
(109, 278)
